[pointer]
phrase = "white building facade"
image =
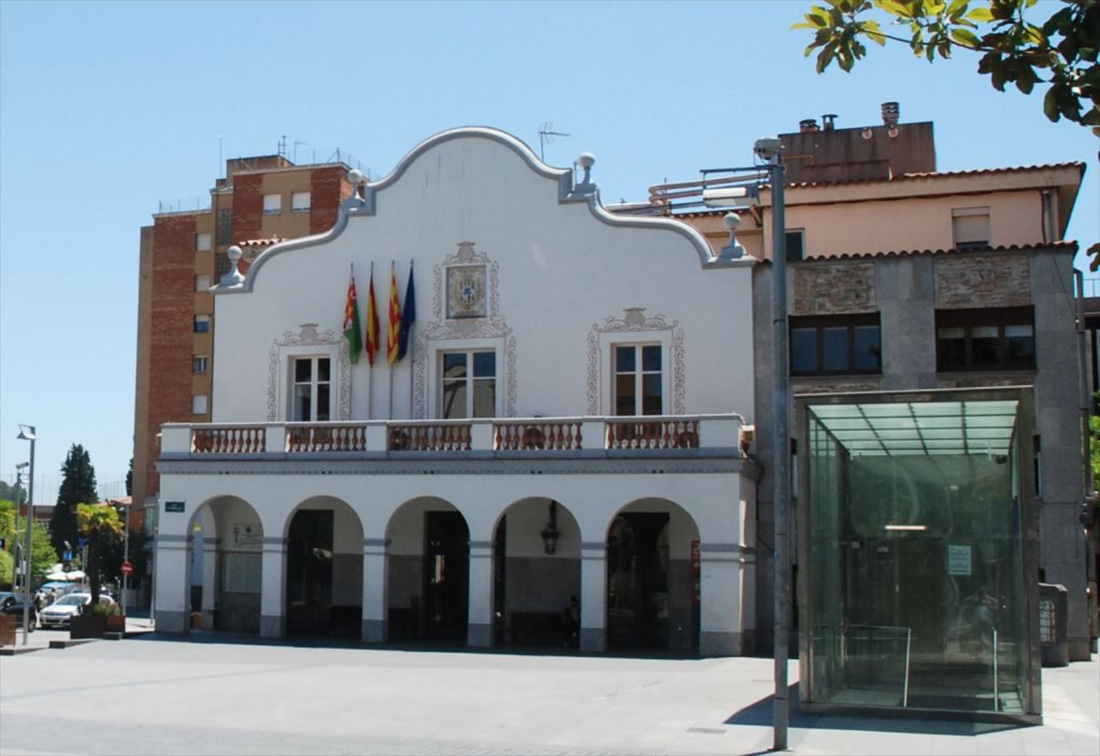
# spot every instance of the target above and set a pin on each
(569, 421)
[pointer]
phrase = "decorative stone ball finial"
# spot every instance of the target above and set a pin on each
(586, 161)
(234, 277)
(733, 250)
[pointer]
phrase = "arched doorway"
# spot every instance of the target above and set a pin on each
(324, 569)
(652, 579)
(429, 571)
(225, 565)
(536, 573)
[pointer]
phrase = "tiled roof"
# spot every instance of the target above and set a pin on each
(946, 174)
(260, 242)
(1071, 245)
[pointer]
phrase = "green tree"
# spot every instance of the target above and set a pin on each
(78, 485)
(1061, 51)
(100, 524)
(43, 556)
(13, 493)
(114, 551)
(130, 478)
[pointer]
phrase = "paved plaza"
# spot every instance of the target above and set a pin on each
(212, 694)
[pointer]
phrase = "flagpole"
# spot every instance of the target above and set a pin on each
(370, 357)
(410, 342)
(393, 290)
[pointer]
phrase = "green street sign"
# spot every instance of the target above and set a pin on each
(173, 506)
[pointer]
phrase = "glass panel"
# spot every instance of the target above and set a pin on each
(651, 358)
(1019, 346)
(651, 395)
(323, 402)
(303, 369)
(867, 352)
(323, 369)
(454, 365)
(624, 359)
(485, 364)
(835, 342)
(454, 399)
(485, 394)
(951, 349)
(624, 395)
(302, 403)
(984, 342)
(803, 350)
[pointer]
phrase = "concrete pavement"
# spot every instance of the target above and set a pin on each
(218, 695)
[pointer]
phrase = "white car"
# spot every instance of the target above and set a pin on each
(60, 612)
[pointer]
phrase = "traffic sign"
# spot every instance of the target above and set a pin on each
(127, 568)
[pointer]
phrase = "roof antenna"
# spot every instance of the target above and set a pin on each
(546, 136)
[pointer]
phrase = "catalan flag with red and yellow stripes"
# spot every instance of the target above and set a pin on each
(393, 339)
(372, 321)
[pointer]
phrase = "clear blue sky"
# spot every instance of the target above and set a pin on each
(107, 109)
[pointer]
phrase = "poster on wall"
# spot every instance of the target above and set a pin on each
(958, 559)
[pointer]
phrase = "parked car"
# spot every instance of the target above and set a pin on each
(60, 612)
(60, 589)
(12, 605)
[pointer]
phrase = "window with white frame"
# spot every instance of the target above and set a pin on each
(199, 363)
(273, 204)
(202, 242)
(311, 396)
(202, 282)
(638, 379)
(970, 227)
(198, 405)
(202, 323)
(299, 202)
(469, 384)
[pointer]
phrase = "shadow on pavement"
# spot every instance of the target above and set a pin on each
(760, 715)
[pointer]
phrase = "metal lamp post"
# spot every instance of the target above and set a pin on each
(769, 150)
(26, 433)
(17, 548)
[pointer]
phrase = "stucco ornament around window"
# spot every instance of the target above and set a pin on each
(634, 320)
(308, 336)
(469, 308)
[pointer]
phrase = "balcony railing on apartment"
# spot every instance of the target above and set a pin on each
(512, 435)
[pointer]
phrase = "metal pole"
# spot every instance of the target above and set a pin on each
(126, 556)
(27, 556)
(780, 468)
(16, 572)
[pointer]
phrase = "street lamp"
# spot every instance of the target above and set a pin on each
(768, 151)
(26, 433)
(19, 468)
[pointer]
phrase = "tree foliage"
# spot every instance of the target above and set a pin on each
(43, 556)
(13, 493)
(1061, 51)
(100, 524)
(78, 485)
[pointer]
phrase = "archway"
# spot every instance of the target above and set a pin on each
(428, 571)
(324, 569)
(536, 573)
(225, 561)
(652, 577)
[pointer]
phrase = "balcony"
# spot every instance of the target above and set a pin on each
(700, 435)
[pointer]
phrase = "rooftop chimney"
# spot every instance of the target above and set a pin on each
(891, 112)
(829, 121)
(807, 124)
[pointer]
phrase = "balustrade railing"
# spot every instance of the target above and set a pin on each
(549, 434)
(322, 438)
(429, 437)
(653, 434)
(228, 440)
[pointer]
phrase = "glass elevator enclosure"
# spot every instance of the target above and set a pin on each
(918, 582)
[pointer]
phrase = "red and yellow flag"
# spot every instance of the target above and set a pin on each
(393, 340)
(351, 322)
(372, 322)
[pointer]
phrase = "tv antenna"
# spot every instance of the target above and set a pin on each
(298, 143)
(546, 136)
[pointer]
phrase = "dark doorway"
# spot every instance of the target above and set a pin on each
(309, 573)
(637, 582)
(500, 579)
(446, 575)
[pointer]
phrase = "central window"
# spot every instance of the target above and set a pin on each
(469, 384)
(312, 397)
(985, 339)
(835, 344)
(639, 380)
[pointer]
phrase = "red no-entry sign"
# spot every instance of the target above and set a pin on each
(127, 568)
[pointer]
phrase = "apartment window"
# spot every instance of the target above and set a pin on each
(796, 245)
(202, 242)
(985, 339)
(970, 227)
(299, 202)
(199, 363)
(224, 229)
(639, 379)
(273, 204)
(469, 384)
(202, 282)
(198, 405)
(835, 344)
(312, 393)
(202, 323)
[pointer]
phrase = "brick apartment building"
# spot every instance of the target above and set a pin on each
(259, 201)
